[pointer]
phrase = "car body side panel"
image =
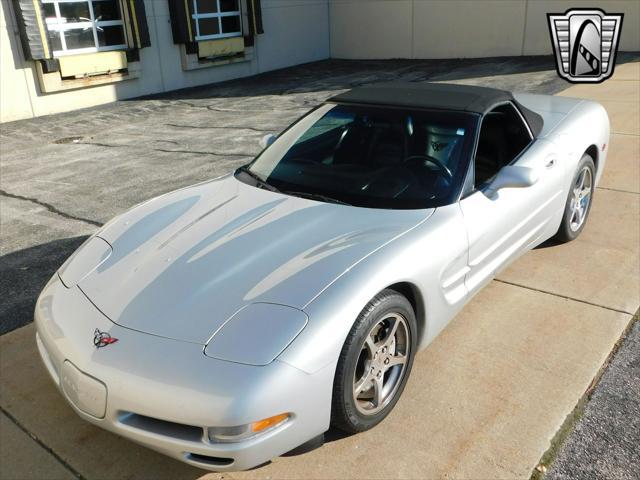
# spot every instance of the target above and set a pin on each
(573, 125)
(553, 109)
(503, 225)
(586, 126)
(432, 258)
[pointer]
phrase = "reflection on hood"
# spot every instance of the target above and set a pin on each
(185, 262)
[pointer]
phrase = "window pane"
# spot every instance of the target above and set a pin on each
(207, 6)
(108, 36)
(72, 12)
(357, 154)
(230, 24)
(79, 38)
(50, 13)
(503, 136)
(208, 26)
(54, 39)
(106, 10)
(229, 6)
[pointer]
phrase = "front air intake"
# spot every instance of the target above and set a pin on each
(162, 427)
(210, 461)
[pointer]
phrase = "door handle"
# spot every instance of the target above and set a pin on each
(550, 163)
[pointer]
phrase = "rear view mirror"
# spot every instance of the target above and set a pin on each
(513, 176)
(267, 140)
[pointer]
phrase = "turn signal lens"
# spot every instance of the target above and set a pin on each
(268, 422)
(246, 431)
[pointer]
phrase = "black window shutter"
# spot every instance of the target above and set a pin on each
(139, 25)
(254, 12)
(33, 31)
(181, 24)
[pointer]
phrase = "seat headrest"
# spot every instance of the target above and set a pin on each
(441, 142)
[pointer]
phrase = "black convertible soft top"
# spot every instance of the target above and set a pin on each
(440, 96)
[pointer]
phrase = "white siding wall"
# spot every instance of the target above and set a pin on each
(373, 29)
(300, 35)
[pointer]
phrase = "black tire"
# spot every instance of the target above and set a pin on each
(380, 311)
(567, 232)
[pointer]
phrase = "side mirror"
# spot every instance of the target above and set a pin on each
(267, 140)
(513, 176)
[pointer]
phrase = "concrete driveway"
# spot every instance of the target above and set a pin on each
(484, 400)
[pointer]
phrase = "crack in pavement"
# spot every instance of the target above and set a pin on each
(50, 208)
(625, 134)
(98, 144)
(164, 150)
(43, 445)
(254, 110)
(618, 190)
(230, 127)
(245, 155)
(566, 297)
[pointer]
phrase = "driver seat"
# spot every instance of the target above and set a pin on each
(388, 147)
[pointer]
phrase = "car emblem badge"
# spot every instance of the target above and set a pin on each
(585, 43)
(102, 339)
(437, 146)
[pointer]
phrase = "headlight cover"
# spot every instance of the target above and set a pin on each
(256, 334)
(89, 256)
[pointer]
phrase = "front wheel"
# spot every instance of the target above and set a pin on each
(579, 200)
(375, 363)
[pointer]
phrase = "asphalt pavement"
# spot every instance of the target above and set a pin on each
(606, 438)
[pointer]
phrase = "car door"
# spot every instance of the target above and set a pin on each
(503, 224)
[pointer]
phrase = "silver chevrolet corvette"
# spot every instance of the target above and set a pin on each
(229, 322)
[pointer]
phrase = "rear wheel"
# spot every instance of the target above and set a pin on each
(375, 363)
(578, 203)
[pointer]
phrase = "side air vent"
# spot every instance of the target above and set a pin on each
(207, 460)
(162, 427)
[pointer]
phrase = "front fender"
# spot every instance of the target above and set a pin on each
(587, 125)
(432, 258)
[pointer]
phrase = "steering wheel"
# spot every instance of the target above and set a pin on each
(434, 161)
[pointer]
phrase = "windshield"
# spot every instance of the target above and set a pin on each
(369, 157)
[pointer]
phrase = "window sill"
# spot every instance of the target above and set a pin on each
(193, 62)
(54, 82)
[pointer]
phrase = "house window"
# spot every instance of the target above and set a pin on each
(216, 19)
(84, 26)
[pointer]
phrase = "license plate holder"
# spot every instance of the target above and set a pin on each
(85, 392)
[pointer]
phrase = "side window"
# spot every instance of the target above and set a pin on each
(503, 136)
(217, 19)
(84, 27)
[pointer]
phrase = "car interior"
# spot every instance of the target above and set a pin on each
(377, 155)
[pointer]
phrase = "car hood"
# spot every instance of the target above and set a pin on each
(185, 262)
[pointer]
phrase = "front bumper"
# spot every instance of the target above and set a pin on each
(164, 393)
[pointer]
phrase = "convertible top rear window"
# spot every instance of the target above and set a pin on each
(371, 156)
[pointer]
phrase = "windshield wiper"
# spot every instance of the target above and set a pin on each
(261, 182)
(315, 196)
